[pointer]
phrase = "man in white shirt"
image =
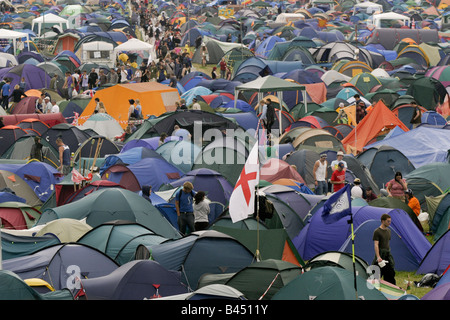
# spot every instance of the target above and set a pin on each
(320, 175)
(55, 107)
(47, 105)
(195, 105)
(339, 158)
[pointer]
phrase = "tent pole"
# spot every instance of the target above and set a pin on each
(280, 100)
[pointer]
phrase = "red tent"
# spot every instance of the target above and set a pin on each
(275, 169)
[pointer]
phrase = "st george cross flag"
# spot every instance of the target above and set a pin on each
(338, 205)
(242, 199)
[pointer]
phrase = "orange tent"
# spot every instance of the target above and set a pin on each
(155, 99)
(376, 122)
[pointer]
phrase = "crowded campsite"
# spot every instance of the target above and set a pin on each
(226, 149)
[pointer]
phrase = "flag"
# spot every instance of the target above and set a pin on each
(76, 176)
(337, 206)
(242, 199)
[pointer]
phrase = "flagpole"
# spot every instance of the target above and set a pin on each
(353, 256)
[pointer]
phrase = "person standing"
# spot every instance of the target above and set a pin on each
(416, 118)
(201, 211)
(223, 68)
(383, 257)
(396, 187)
(92, 80)
(184, 206)
(412, 202)
(68, 85)
(270, 116)
(6, 88)
(357, 191)
(64, 157)
(339, 158)
(36, 150)
(320, 175)
(84, 81)
(146, 192)
(338, 178)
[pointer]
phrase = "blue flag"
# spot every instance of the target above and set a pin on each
(337, 206)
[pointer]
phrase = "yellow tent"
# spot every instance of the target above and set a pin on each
(155, 99)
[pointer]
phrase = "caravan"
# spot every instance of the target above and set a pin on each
(99, 52)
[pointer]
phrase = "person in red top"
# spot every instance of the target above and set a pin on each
(223, 68)
(338, 177)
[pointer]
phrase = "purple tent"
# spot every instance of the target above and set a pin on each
(216, 187)
(35, 77)
(317, 237)
(438, 293)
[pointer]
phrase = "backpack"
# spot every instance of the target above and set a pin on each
(266, 208)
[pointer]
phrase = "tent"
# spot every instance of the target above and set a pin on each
(135, 280)
(430, 145)
(383, 162)
(14, 35)
(439, 214)
(104, 125)
(213, 291)
(12, 287)
(404, 259)
(180, 154)
(328, 283)
(18, 215)
(51, 263)
(155, 99)
(43, 23)
(339, 259)
(216, 187)
(262, 279)
(317, 237)
(14, 246)
(112, 204)
(381, 18)
(376, 122)
(149, 171)
(437, 258)
(134, 45)
(202, 252)
(19, 186)
(270, 84)
(119, 239)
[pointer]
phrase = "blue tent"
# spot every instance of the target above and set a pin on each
(128, 157)
(216, 187)
(136, 280)
(40, 176)
(404, 260)
(437, 258)
(433, 118)
(317, 237)
(427, 145)
(202, 252)
(52, 264)
(10, 197)
(247, 120)
(266, 46)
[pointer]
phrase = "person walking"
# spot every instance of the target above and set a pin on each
(383, 257)
(338, 178)
(201, 211)
(396, 187)
(6, 88)
(184, 206)
(320, 175)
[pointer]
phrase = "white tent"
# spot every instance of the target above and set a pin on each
(14, 35)
(368, 7)
(48, 19)
(390, 16)
(136, 45)
(100, 52)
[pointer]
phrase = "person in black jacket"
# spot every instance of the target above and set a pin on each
(17, 95)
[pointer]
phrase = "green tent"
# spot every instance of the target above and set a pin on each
(432, 179)
(338, 259)
(113, 204)
(262, 279)
(273, 243)
(119, 239)
(328, 283)
(365, 81)
(12, 287)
